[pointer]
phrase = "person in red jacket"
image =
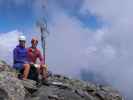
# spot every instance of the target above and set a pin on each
(33, 54)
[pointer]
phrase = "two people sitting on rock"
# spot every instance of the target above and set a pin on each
(25, 58)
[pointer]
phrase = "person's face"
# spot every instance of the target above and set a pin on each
(34, 44)
(22, 43)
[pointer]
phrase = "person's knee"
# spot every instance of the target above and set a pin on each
(27, 66)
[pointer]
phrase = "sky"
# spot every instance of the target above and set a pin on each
(86, 36)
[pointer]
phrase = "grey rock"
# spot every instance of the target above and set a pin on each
(4, 66)
(80, 93)
(55, 97)
(59, 88)
(60, 85)
(29, 85)
(10, 87)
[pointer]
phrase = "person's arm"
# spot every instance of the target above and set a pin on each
(26, 60)
(41, 58)
(14, 55)
(29, 53)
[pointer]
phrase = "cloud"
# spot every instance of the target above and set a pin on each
(8, 43)
(117, 42)
(72, 47)
(65, 44)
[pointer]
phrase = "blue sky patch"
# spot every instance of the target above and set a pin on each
(22, 17)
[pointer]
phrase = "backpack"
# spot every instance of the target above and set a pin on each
(33, 74)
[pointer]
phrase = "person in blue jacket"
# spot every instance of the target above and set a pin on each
(20, 57)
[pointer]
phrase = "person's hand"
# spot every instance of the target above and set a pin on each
(44, 66)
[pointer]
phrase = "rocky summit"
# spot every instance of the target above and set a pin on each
(57, 87)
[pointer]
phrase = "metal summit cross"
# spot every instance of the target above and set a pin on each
(42, 25)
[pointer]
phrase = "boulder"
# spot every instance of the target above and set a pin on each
(58, 87)
(11, 88)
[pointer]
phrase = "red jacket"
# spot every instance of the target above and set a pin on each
(33, 54)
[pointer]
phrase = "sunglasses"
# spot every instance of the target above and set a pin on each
(22, 41)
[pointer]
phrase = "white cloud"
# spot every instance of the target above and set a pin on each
(66, 44)
(118, 15)
(8, 43)
(72, 47)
